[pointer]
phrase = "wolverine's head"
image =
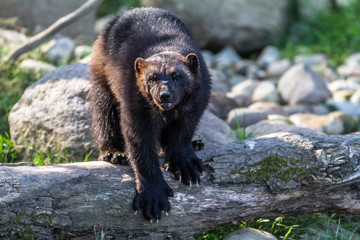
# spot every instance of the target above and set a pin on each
(165, 78)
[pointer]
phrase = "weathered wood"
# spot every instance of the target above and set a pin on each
(285, 173)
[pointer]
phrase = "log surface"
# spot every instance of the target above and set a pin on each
(286, 173)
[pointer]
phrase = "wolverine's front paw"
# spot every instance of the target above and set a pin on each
(152, 198)
(115, 158)
(198, 145)
(185, 169)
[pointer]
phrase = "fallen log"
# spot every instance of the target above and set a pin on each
(285, 173)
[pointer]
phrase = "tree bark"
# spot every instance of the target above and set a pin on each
(286, 173)
(61, 23)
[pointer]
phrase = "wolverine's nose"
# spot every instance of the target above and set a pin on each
(165, 96)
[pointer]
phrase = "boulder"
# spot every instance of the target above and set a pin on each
(59, 50)
(35, 65)
(346, 107)
(246, 25)
(221, 105)
(320, 123)
(265, 91)
(243, 91)
(82, 51)
(52, 115)
(305, 108)
(213, 131)
(12, 37)
(35, 14)
(341, 84)
(219, 82)
(243, 117)
(269, 55)
(226, 57)
(314, 59)
(249, 234)
(355, 98)
(278, 68)
(266, 127)
(300, 84)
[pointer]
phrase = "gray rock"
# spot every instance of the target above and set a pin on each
(243, 117)
(82, 51)
(240, 117)
(12, 37)
(35, 65)
(219, 82)
(302, 85)
(355, 98)
(265, 127)
(305, 108)
(243, 66)
(346, 107)
(236, 79)
(315, 59)
(278, 68)
(343, 85)
(208, 57)
(249, 234)
(59, 50)
(213, 131)
(342, 95)
(244, 24)
(320, 123)
(245, 88)
(265, 91)
(226, 57)
(345, 70)
(353, 60)
(220, 104)
(269, 55)
(52, 114)
(34, 14)
(309, 9)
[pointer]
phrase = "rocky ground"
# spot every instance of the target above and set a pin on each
(306, 92)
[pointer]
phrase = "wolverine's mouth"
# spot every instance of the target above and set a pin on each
(166, 106)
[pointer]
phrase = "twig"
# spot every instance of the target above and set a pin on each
(61, 23)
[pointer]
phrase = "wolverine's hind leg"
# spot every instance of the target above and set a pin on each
(106, 124)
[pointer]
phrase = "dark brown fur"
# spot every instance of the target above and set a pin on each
(149, 86)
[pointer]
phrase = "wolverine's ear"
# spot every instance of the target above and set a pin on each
(192, 62)
(139, 65)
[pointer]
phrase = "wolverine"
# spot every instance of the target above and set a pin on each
(149, 87)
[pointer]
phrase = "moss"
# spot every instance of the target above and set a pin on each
(20, 229)
(282, 169)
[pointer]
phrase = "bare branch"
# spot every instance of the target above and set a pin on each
(61, 23)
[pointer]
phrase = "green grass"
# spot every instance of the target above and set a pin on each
(334, 33)
(240, 131)
(314, 226)
(13, 82)
(8, 153)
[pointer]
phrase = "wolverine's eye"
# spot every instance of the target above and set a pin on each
(175, 76)
(153, 78)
